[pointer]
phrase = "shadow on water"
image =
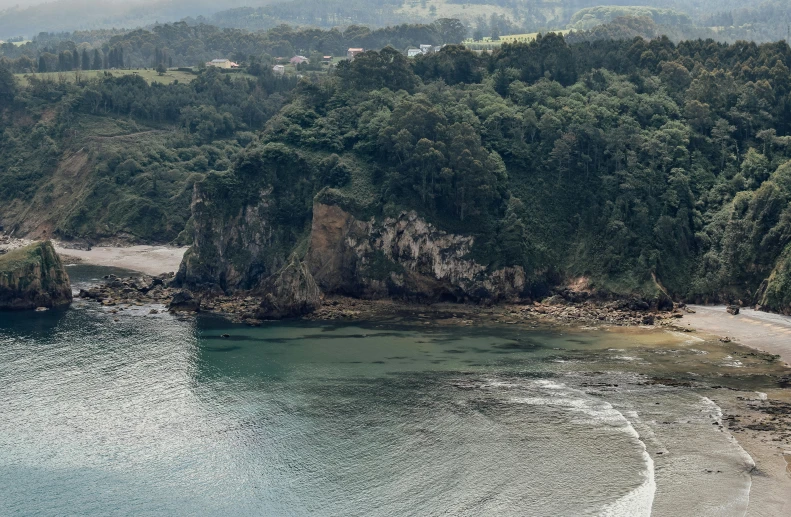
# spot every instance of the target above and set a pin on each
(222, 349)
(39, 325)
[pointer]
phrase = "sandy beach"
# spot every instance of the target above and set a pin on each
(770, 333)
(151, 260)
(764, 331)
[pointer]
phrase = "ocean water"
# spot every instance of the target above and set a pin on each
(137, 414)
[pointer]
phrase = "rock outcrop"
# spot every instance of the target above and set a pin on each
(184, 301)
(33, 277)
(404, 257)
(234, 245)
(292, 292)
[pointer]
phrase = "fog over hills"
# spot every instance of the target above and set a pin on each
(29, 17)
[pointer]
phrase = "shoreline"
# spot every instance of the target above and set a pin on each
(760, 423)
(762, 426)
(150, 260)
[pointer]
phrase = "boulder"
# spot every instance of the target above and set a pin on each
(33, 277)
(184, 301)
(733, 309)
(292, 292)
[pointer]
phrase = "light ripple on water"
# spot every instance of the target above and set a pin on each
(151, 416)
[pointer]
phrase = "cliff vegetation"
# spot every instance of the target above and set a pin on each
(634, 167)
(33, 277)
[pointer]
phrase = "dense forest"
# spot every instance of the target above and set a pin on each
(635, 163)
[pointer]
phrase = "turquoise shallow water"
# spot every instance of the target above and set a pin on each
(153, 415)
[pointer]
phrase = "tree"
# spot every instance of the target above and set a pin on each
(86, 59)
(98, 62)
(451, 30)
(7, 84)
(388, 68)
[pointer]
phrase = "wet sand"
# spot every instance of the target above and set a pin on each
(151, 260)
(764, 331)
(770, 493)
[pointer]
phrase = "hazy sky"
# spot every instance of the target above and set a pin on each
(21, 3)
(27, 3)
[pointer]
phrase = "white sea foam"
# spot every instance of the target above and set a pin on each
(637, 502)
(686, 338)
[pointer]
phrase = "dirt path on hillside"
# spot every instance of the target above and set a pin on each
(130, 135)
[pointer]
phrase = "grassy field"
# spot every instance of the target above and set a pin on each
(149, 75)
(511, 38)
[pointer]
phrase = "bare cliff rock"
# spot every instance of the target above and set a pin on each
(239, 247)
(33, 277)
(403, 257)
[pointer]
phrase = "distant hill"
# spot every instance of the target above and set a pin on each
(728, 20)
(70, 15)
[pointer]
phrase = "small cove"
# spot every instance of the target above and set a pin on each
(152, 414)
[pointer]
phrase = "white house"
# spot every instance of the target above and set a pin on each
(352, 53)
(222, 63)
(412, 52)
(279, 70)
(425, 49)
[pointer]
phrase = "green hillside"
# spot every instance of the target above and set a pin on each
(632, 163)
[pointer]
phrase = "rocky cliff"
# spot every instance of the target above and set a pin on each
(402, 256)
(236, 249)
(32, 277)
(774, 293)
(234, 245)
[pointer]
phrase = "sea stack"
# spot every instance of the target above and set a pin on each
(33, 277)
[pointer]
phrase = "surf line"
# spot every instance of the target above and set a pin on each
(638, 502)
(748, 460)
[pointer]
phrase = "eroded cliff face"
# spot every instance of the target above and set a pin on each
(237, 249)
(234, 246)
(401, 257)
(33, 277)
